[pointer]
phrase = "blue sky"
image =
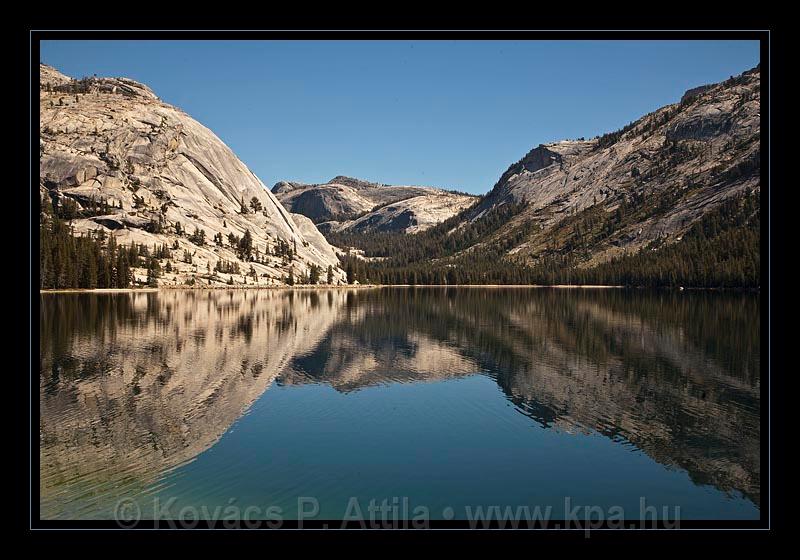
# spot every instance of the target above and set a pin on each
(446, 113)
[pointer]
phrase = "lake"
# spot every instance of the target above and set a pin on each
(440, 402)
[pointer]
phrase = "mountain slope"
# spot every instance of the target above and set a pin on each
(611, 209)
(344, 204)
(667, 169)
(116, 159)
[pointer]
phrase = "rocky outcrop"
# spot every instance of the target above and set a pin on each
(694, 92)
(49, 77)
(323, 203)
(354, 205)
(282, 187)
(410, 215)
(161, 173)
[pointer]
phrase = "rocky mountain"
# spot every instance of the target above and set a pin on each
(663, 172)
(117, 161)
(344, 204)
(673, 197)
(670, 199)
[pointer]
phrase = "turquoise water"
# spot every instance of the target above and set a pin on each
(437, 402)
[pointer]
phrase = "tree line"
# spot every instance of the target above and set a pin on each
(722, 249)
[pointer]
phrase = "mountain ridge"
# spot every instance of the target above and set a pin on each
(581, 211)
(672, 197)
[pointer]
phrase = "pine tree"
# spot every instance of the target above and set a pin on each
(313, 276)
(198, 237)
(246, 245)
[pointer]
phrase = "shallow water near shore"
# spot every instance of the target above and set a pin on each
(437, 400)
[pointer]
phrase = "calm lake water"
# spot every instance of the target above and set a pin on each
(450, 399)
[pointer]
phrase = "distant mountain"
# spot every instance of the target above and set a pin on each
(673, 197)
(344, 204)
(116, 161)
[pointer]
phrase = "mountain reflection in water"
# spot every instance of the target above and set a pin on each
(135, 385)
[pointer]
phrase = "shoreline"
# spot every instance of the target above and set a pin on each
(316, 287)
(374, 286)
(95, 290)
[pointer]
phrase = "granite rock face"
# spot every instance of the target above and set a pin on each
(354, 205)
(674, 164)
(114, 140)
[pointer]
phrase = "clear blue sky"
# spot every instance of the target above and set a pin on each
(447, 113)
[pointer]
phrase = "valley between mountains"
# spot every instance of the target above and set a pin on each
(135, 192)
